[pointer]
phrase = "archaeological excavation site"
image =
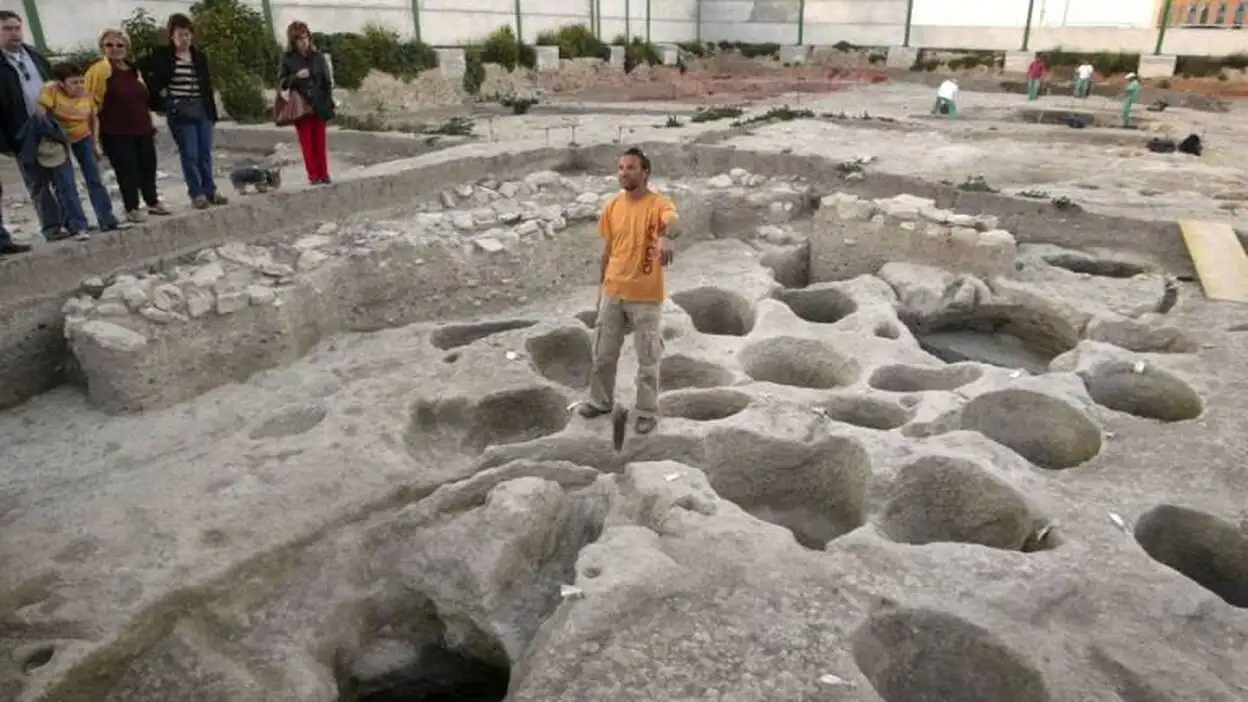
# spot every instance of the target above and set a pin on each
(924, 435)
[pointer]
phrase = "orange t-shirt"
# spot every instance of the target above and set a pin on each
(631, 228)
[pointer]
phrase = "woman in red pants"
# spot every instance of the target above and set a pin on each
(305, 71)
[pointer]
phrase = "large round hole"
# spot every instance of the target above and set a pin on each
(945, 499)
(1006, 336)
(1209, 550)
(901, 378)
(563, 355)
(803, 363)
(867, 412)
(37, 657)
(922, 655)
(820, 306)
(703, 405)
(717, 311)
(1151, 393)
(456, 335)
(1047, 431)
(678, 371)
(818, 492)
(503, 417)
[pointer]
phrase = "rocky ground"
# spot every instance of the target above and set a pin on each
(1013, 480)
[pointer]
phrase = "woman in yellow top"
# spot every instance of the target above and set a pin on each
(67, 101)
(127, 134)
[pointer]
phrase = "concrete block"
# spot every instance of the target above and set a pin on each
(547, 58)
(796, 54)
(669, 53)
(902, 57)
(452, 63)
(1152, 66)
(616, 59)
(852, 237)
(1017, 61)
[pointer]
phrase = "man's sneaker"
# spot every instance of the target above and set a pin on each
(645, 425)
(158, 210)
(219, 199)
(136, 216)
(589, 411)
(200, 203)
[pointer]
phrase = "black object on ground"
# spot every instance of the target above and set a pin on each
(1192, 145)
(1161, 146)
(443, 676)
(619, 423)
(1158, 106)
(1078, 121)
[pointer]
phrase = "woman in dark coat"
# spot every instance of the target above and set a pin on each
(305, 71)
(181, 87)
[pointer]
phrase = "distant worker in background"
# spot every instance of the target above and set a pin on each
(1130, 96)
(1036, 72)
(947, 99)
(1083, 80)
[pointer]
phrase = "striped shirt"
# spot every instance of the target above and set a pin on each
(184, 83)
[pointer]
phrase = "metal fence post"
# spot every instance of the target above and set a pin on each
(905, 41)
(1031, 8)
(36, 27)
(1165, 22)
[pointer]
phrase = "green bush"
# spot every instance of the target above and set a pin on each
(415, 57)
(380, 46)
(83, 57)
(575, 41)
(245, 102)
(694, 48)
(637, 52)
(237, 41)
(502, 47)
(1206, 66)
(474, 70)
(144, 34)
(1106, 63)
(351, 60)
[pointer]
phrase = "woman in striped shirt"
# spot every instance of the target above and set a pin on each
(181, 88)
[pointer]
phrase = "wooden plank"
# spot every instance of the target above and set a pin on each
(1219, 258)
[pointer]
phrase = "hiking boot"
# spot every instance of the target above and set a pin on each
(158, 210)
(645, 425)
(200, 203)
(136, 216)
(219, 199)
(10, 248)
(589, 411)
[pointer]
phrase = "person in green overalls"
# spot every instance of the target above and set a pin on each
(1130, 96)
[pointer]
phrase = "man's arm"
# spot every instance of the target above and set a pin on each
(669, 229)
(604, 231)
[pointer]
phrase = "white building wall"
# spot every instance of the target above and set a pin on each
(1076, 25)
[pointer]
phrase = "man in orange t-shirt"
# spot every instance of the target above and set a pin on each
(636, 226)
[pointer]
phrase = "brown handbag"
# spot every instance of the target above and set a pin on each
(289, 107)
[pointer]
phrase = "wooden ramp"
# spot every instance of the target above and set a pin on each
(1219, 259)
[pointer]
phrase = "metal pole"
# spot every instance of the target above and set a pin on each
(415, 18)
(697, 11)
(36, 27)
(1161, 31)
(519, 26)
(628, 9)
(1031, 7)
(647, 21)
(909, 18)
(801, 22)
(266, 7)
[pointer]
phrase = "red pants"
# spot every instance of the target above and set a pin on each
(315, 149)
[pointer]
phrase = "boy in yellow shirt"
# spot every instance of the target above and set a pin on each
(66, 100)
(636, 227)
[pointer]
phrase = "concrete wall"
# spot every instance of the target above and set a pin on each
(1104, 25)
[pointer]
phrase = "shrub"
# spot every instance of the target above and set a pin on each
(414, 57)
(351, 60)
(245, 102)
(575, 41)
(637, 52)
(83, 57)
(502, 47)
(474, 70)
(694, 48)
(380, 46)
(237, 41)
(1106, 63)
(144, 35)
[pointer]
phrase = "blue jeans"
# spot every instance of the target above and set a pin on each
(194, 140)
(43, 193)
(101, 202)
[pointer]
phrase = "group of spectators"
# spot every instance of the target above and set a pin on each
(53, 116)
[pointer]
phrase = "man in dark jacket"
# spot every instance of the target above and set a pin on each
(8, 247)
(23, 72)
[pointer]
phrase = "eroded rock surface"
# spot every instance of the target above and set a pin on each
(908, 483)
